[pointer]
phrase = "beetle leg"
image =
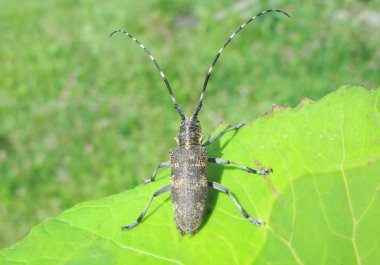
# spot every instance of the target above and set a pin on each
(160, 191)
(248, 169)
(153, 177)
(221, 188)
(232, 128)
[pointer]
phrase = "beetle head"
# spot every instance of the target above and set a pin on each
(190, 132)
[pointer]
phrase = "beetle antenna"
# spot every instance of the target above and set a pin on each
(176, 106)
(199, 104)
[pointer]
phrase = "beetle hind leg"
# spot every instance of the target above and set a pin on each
(221, 188)
(139, 219)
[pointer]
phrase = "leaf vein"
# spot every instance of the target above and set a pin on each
(121, 245)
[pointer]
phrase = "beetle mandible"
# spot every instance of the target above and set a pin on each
(189, 183)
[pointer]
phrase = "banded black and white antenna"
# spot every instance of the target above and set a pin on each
(199, 104)
(176, 106)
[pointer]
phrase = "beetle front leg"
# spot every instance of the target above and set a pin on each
(153, 177)
(248, 169)
(160, 191)
(232, 128)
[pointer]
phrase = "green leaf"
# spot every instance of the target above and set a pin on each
(321, 205)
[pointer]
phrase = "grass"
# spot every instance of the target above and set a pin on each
(83, 116)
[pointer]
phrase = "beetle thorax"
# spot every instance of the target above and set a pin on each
(190, 133)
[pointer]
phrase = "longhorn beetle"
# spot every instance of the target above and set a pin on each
(189, 161)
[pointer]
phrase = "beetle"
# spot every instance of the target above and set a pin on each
(189, 183)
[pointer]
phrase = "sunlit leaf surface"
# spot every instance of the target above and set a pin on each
(321, 205)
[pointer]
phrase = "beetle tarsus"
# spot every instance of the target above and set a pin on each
(265, 171)
(256, 222)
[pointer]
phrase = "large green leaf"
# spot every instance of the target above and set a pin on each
(321, 205)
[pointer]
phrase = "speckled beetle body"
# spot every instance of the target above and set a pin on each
(189, 177)
(189, 182)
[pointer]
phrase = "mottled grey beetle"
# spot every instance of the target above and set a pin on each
(188, 162)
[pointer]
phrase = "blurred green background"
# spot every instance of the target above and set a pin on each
(83, 116)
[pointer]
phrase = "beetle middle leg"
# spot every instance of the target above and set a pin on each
(160, 191)
(248, 169)
(153, 177)
(216, 136)
(221, 188)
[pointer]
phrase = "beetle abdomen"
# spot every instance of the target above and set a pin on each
(189, 186)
